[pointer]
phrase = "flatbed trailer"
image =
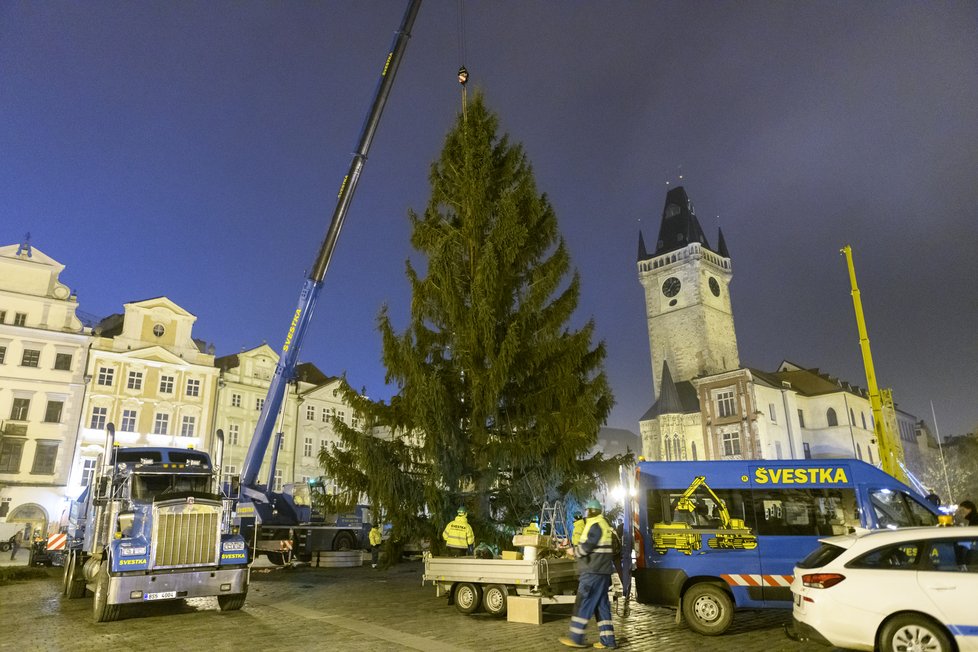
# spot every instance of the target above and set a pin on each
(471, 583)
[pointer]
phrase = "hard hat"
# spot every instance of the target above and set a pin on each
(594, 504)
(462, 511)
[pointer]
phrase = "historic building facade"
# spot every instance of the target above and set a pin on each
(43, 349)
(708, 406)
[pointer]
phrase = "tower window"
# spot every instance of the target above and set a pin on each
(831, 417)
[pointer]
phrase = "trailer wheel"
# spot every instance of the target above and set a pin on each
(467, 597)
(74, 579)
(231, 602)
(103, 611)
(277, 558)
(494, 599)
(708, 609)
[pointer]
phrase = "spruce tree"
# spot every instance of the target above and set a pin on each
(499, 398)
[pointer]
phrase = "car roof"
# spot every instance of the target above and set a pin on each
(882, 537)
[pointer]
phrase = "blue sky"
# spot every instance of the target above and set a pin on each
(194, 150)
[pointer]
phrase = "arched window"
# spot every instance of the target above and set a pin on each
(852, 417)
(863, 415)
(667, 449)
(692, 446)
(859, 451)
(830, 415)
(677, 451)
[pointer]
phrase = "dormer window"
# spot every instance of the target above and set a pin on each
(672, 210)
(158, 330)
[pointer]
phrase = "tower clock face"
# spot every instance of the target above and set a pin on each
(670, 287)
(714, 287)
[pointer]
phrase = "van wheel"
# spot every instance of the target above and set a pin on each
(494, 599)
(467, 597)
(708, 609)
(911, 632)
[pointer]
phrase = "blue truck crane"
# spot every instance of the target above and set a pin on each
(275, 522)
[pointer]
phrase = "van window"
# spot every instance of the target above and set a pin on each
(701, 509)
(805, 512)
(895, 509)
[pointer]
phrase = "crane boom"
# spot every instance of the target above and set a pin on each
(891, 453)
(302, 315)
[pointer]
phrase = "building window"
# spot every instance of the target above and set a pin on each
(278, 479)
(4, 502)
(341, 415)
(20, 319)
(166, 384)
(128, 421)
(62, 361)
(731, 444)
(307, 447)
(259, 403)
(281, 443)
(310, 413)
(235, 400)
(774, 416)
(45, 455)
(161, 424)
(135, 380)
(99, 415)
(808, 450)
(3, 353)
(20, 409)
(777, 449)
(831, 417)
(233, 434)
(52, 414)
(10, 452)
(863, 416)
(852, 417)
(859, 452)
(692, 448)
(31, 358)
(355, 421)
(725, 404)
(105, 376)
(325, 415)
(88, 471)
(187, 427)
(193, 387)
(3, 316)
(869, 451)
(801, 417)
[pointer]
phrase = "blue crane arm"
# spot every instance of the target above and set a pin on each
(285, 370)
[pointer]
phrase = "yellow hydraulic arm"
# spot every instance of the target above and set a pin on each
(891, 452)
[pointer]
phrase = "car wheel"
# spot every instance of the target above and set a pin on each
(494, 599)
(708, 609)
(912, 632)
(467, 597)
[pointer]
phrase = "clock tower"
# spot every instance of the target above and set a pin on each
(687, 298)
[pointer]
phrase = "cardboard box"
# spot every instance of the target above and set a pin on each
(531, 540)
(512, 554)
(523, 609)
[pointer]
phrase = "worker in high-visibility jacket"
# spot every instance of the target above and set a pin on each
(375, 540)
(594, 566)
(458, 535)
(533, 527)
(578, 528)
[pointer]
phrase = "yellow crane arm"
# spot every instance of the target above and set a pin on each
(891, 453)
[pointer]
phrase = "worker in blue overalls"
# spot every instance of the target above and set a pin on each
(595, 565)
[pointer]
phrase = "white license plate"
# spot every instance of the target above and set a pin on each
(163, 595)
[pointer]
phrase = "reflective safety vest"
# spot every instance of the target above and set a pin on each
(595, 558)
(375, 536)
(458, 533)
(578, 531)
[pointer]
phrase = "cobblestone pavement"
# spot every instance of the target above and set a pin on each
(350, 608)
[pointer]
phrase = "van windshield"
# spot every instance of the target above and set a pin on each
(896, 509)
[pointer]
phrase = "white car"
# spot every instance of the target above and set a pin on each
(912, 589)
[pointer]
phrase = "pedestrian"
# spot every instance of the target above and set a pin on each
(578, 529)
(458, 534)
(376, 538)
(594, 566)
(966, 514)
(14, 542)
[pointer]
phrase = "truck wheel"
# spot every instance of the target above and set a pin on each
(467, 597)
(231, 602)
(494, 599)
(910, 632)
(708, 609)
(277, 558)
(103, 611)
(344, 541)
(74, 577)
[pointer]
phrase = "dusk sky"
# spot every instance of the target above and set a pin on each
(194, 150)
